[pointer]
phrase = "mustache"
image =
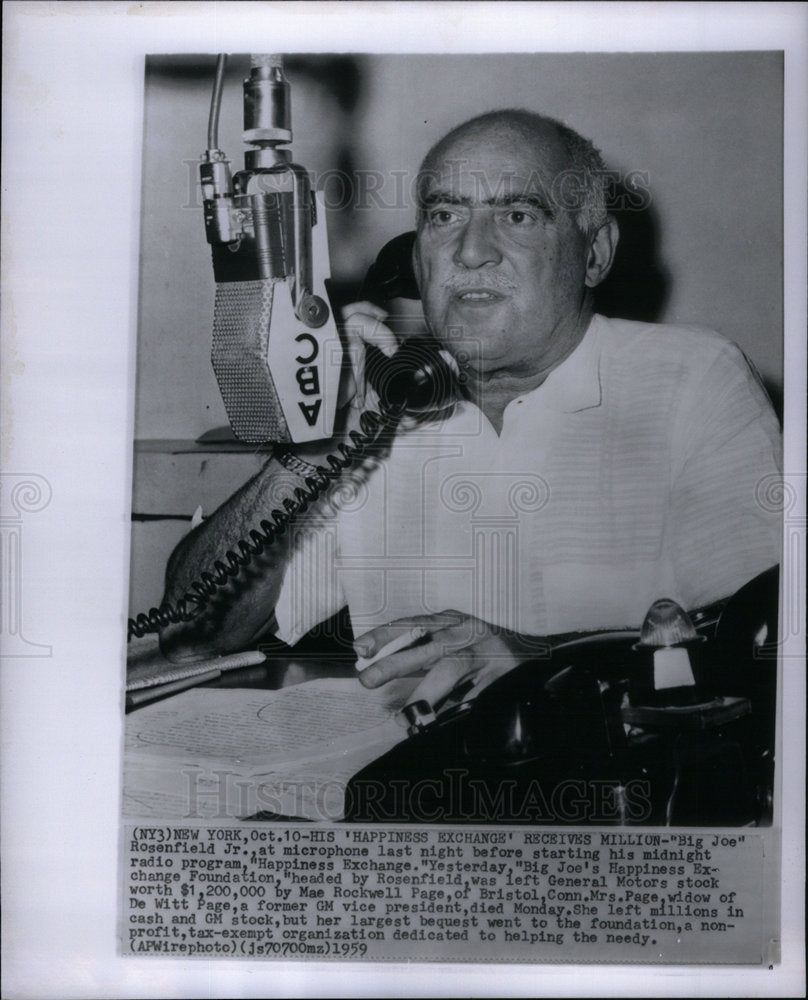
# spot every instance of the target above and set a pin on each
(492, 282)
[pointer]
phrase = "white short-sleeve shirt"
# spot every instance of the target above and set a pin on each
(639, 469)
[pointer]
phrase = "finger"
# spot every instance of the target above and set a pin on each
(456, 635)
(442, 679)
(491, 672)
(362, 329)
(408, 661)
(400, 642)
(368, 328)
(368, 308)
(355, 389)
(371, 642)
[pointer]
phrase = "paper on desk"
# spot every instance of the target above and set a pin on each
(153, 791)
(242, 751)
(310, 789)
(256, 728)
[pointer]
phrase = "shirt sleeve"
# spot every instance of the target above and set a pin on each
(723, 529)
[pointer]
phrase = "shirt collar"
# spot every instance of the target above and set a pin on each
(575, 384)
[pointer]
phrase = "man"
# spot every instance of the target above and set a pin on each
(589, 467)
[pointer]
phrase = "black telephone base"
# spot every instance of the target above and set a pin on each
(571, 741)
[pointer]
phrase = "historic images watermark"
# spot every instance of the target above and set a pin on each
(454, 795)
(383, 190)
(783, 493)
(21, 494)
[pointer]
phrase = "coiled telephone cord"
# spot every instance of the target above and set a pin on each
(373, 427)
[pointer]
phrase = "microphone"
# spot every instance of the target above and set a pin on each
(276, 352)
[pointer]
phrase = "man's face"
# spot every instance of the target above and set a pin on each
(501, 266)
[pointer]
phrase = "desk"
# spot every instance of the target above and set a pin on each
(732, 738)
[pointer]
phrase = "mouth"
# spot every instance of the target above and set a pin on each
(477, 296)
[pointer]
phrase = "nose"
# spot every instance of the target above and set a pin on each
(476, 244)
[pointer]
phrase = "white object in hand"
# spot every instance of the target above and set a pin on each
(394, 646)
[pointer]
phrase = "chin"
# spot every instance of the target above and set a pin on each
(468, 332)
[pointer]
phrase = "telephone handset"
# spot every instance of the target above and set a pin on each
(418, 376)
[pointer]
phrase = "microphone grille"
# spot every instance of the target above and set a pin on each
(241, 324)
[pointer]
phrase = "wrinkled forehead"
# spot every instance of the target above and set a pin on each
(494, 164)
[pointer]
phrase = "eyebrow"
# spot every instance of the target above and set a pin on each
(501, 201)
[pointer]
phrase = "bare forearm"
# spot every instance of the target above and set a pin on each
(243, 607)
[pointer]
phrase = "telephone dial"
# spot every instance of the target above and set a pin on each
(583, 737)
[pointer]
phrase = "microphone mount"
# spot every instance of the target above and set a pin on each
(276, 349)
(269, 201)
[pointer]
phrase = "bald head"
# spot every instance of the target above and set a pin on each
(570, 168)
(509, 247)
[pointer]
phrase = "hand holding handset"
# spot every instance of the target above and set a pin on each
(415, 373)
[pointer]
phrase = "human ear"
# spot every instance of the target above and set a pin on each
(601, 252)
